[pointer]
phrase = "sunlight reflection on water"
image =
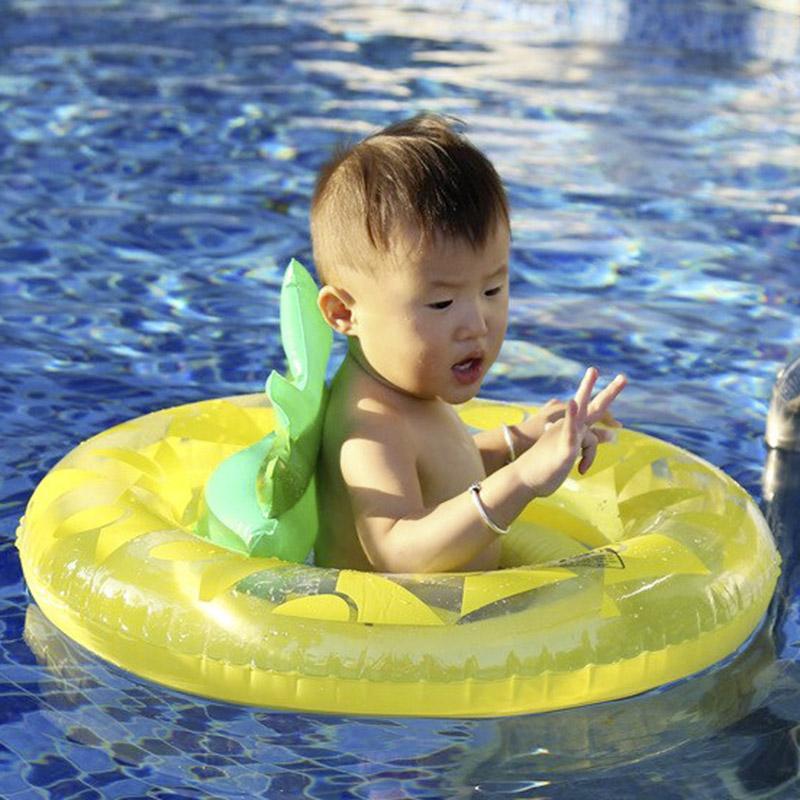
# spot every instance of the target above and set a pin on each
(158, 164)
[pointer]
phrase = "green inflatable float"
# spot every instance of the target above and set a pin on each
(262, 500)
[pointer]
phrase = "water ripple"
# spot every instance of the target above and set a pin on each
(157, 166)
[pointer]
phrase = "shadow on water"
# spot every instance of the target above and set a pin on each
(719, 34)
(781, 487)
(773, 760)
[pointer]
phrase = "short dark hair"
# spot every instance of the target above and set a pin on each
(420, 173)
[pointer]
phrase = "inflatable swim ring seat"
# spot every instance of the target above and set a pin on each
(649, 568)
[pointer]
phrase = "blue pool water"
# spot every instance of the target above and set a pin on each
(157, 164)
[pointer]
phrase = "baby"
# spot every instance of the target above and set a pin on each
(410, 230)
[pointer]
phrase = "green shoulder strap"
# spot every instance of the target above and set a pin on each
(262, 500)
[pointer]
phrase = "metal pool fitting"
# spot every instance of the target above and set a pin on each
(783, 418)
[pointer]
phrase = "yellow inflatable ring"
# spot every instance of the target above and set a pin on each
(653, 566)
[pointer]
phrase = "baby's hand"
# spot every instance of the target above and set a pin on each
(599, 411)
(570, 432)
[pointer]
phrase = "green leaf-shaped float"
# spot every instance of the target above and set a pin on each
(262, 500)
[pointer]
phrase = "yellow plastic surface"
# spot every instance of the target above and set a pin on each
(653, 566)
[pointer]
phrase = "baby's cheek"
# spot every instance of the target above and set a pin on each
(426, 358)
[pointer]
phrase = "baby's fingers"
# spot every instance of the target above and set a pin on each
(598, 410)
(604, 435)
(569, 428)
(584, 393)
(553, 410)
(589, 450)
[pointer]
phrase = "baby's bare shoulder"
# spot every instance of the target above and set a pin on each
(358, 400)
(370, 418)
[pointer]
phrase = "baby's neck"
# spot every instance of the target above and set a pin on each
(357, 357)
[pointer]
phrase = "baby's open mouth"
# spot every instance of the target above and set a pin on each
(468, 370)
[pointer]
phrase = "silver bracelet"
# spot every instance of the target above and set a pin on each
(509, 443)
(475, 492)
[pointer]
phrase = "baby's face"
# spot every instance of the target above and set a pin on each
(433, 322)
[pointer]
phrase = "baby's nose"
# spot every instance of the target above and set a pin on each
(474, 321)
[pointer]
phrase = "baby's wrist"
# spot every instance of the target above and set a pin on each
(522, 438)
(523, 478)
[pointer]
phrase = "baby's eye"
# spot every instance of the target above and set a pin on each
(493, 292)
(440, 305)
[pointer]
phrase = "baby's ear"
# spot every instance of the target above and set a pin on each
(336, 306)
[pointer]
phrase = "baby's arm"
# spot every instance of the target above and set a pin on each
(494, 448)
(397, 530)
(399, 533)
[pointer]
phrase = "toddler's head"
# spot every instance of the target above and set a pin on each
(408, 185)
(410, 230)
